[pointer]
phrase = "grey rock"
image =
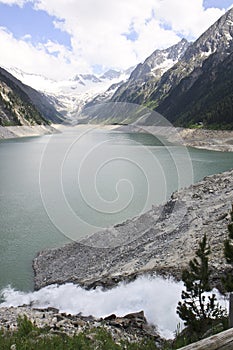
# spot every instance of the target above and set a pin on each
(161, 241)
(132, 327)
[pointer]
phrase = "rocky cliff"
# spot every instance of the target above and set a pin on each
(145, 76)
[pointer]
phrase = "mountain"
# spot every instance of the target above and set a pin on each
(111, 74)
(145, 74)
(82, 78)
(16, 107)
(22, 105)
(198, 88)
(103, 97)
(144, 77)
(206, 100)
(201, 83)
(69, 96)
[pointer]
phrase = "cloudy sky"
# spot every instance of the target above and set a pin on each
(60, 38)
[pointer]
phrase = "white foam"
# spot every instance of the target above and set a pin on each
(156, 296)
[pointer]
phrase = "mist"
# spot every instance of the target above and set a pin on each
(156, 296)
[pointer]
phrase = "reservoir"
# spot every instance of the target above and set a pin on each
(62, 187)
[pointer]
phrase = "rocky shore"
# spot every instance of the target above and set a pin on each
(9, 132)
(132, 327)
(214, 140)
(161, 241)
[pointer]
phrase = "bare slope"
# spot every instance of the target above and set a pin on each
(162, 240)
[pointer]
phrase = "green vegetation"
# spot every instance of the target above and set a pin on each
(30, 337)
(205, 99)
(228, 252)
(202, 316)
(189, 96)
(16, 106)
(199, 312)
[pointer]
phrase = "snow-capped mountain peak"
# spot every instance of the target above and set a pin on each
(159, 61)
(111, 74)
(69, 96)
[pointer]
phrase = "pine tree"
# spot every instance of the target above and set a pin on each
(196, 309)
(228, 253)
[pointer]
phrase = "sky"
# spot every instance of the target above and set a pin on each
(61, 38)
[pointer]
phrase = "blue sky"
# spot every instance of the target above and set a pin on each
(216, 3)
(23, 21)
(59, 38)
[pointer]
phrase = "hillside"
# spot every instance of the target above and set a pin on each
(67, 97)
(102, 108)
(149, 243)
(145, 76)
(22, 105)
(198, 88)
(208, 101)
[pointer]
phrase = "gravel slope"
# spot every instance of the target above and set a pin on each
(162, 240)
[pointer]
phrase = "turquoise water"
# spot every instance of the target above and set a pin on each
(54, 189)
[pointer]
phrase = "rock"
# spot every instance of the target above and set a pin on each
(161, 241)
(132, 327)
(110, 317)
(136, 315)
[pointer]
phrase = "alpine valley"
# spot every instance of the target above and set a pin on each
(190, 84)
(97, 217)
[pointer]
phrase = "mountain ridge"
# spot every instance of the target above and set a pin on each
(149, 72)
(190, 84)
(22, 105)
(187, 82)
(152, 68)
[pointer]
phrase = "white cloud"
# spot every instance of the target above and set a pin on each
(27, 37)
(152, 36)
(98, 28)
(14, 2)
(188, 18)
(38, 59)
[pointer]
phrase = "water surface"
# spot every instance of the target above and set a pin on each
(57, 188)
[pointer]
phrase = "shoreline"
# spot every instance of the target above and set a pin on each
(171, 235)
(11, 132)
(213, 140)
(151, 243)
(145, 263)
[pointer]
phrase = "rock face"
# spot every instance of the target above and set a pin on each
(204, 97)
(162, 240)
(198, 87)
(98, 110)
(22, 105)
(146, 74)
(132, 327)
